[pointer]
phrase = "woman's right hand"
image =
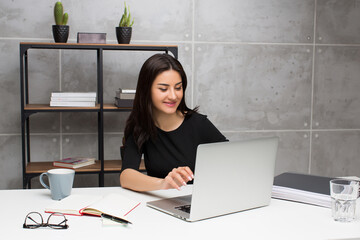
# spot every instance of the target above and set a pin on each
(177, 178)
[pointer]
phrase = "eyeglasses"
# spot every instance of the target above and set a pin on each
(55, 221)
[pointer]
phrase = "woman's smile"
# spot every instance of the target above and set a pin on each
(170, 104)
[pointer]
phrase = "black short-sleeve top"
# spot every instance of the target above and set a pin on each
(172, 149)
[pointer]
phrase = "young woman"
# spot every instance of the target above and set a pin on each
(163, 128)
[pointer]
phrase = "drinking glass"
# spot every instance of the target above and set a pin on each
(343, 199)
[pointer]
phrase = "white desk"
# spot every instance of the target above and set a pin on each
(280, 220)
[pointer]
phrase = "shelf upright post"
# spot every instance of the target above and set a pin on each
(24, 99)
(100, 114)
(22, 53)
(27, 119)
(174, 51)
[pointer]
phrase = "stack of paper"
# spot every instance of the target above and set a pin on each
(303, 188)
(73, 99)
(301, 196)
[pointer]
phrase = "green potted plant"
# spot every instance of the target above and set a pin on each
(60, 29)
(124, 30)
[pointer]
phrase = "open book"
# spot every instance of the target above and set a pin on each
(112, 204)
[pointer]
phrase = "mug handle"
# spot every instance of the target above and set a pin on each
(41, 180)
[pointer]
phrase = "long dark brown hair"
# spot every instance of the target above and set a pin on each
(140, 122)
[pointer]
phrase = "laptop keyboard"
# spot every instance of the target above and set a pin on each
(184, 208)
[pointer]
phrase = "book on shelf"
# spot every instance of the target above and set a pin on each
(73, 99)
(129, 91)
(113, 204)
(124, 103)
(73, 94)
(74, 162)
(302, 188)
(71, 104)
(125, 95)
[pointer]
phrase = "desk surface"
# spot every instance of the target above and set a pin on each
(280, 220)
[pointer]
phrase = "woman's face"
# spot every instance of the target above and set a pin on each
(167, 92)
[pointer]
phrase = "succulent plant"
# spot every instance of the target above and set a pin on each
(126, 18)
(61, 18)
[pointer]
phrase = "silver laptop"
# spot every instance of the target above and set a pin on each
(229, 177)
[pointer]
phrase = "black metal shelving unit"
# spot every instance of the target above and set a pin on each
(31, 169)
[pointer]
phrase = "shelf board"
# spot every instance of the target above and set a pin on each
(49, 45)
(109, 166)
(40, 167)
(109, 106)
(46, 107)
(92, 44)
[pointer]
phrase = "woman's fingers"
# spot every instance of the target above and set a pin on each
(190, 173)
(186, 173)
(170, 182)
(179, 177)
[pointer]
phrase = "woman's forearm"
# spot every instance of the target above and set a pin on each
(137, 181)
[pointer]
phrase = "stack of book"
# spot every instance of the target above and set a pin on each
(125, 98)
(75, 162)
(73, 99)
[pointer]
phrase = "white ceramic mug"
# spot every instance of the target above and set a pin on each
(60, 182)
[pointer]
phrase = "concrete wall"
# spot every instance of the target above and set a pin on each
(288, 68)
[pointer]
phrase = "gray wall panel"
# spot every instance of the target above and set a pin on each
(10, 162)
(338, 21)
(9, 87)
(337, 85)
(336, 153)
(254, 21)
(254, 86)
(20, 19)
